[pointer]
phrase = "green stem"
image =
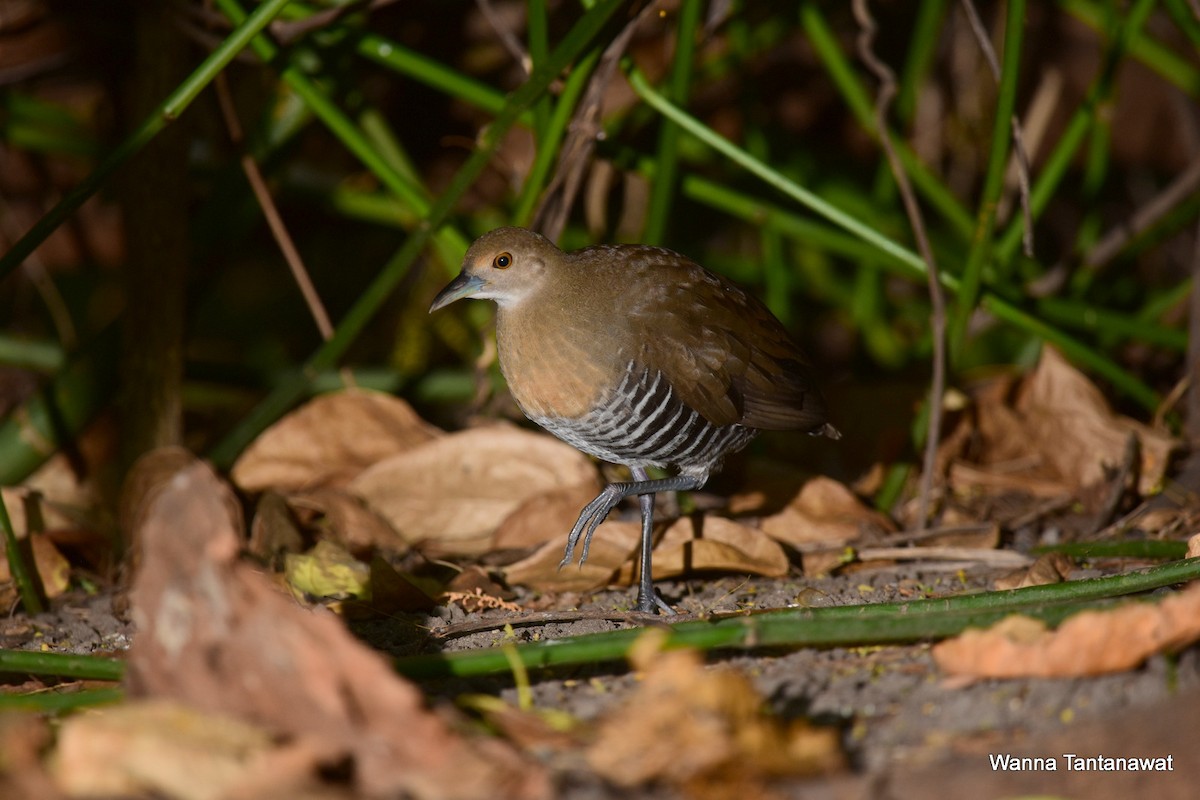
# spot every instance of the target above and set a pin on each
(165, 114)
(451, 243)
(58, 702)
(857, 625)
(771, 176)
(284, 396)
(22, 570)
(858, 100)
(662, 190)
(1144, 48)
(62, 665)
(1120, 378)
(981, 242)
(552, 136)
(1074, 350)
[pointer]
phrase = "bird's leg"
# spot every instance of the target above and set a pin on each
(595, 512)
(647, 598)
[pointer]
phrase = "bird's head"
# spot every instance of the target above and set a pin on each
(506, 265)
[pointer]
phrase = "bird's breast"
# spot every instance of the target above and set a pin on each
(551, 370)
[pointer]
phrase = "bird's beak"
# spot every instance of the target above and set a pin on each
(463, 286)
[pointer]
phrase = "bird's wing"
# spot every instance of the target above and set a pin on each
(720, 348)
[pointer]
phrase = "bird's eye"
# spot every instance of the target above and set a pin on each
(502, 261)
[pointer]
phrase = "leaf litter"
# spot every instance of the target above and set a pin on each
(218, 638)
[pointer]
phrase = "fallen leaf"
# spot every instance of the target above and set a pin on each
(51, 565)
(544, 517)
(214, 634)
(155, 747)
(24, 740)
(710, 543)
(273, 532)
(823, 511)
(612, 545)
(686, 723)
(452, 493)
(1088, 643)
(329, 440)
(388, 592)
(1050, 433)
(1049, 568)
(770, 486)
(327, 570)
(343, 517)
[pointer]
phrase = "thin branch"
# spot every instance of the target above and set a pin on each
(887, 91)
(1191, 372)
(1020, 154)
(507, 38)
(576, 152)
(288, 31)
(1163, 203)
(287, 246)
(42, 281)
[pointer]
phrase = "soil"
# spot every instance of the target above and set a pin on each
(905, 727)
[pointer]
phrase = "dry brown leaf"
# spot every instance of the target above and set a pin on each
(24, 739)
(273, 531)
(392, 592)
(1051, 433)
(329, 440)
(612, 546)
(715, 544)
(822, 562)
(1049, 568)
(823, 511)
(347, 520)
(686, 723)
(769, 487)
(51, 565)
(213, 633)
(63, 500)
(452, 493)
(156, 747)
(1089, 643)
(544, 517)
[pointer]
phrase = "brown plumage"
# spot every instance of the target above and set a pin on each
(639, 356)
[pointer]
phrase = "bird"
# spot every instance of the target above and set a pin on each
(641, 357)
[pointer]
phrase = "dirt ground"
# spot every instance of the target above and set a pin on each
(906, 729)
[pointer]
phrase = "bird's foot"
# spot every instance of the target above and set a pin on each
(589, 519)
(652, 603)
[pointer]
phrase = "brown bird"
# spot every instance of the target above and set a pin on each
(638, 356)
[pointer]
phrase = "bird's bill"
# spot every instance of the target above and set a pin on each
(463, 286)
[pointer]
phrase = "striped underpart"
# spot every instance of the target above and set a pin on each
(642, 423)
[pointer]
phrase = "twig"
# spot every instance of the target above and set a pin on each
(1191, 372)
(545, 618)
(576, 152)
(288, 31)
(1126, 474)
(1159, 206)
(973, 555)
(507, 38)
(283, 238)
(42, 281)
(1019, 153)
(887, 91)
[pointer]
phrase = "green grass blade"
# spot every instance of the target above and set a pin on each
(662, 190)
(857, 625)
(166, 113)
(288, 392)
(981, 242)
